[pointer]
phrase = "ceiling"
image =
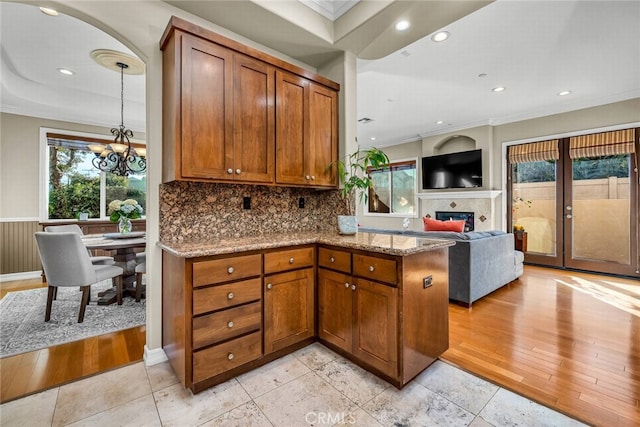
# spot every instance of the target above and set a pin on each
(534, 49)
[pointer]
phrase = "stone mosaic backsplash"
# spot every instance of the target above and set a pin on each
(196, 210)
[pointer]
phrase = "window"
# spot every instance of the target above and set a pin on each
(394, 190)
(74, 185)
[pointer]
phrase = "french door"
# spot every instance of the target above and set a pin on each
(577, 201)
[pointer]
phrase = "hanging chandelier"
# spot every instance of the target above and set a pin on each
(120, 157)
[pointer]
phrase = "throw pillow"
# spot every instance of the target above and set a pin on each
(437, 225)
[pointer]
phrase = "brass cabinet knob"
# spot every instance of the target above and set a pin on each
(313, 177)
(291, 260)
(371, 268)
(230, 356)
(346, 285)
(269, 286)
(230, 270)
(230, 325)
(332, 259)
(308, 177)
(229, 171)
(353, 287)
(230, 295)
(238, 171)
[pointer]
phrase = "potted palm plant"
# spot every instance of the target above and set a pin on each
(355, 182)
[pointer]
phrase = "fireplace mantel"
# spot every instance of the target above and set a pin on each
(490, 194)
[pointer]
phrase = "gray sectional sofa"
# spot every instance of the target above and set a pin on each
(479, 263)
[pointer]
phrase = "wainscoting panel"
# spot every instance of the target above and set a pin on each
(18, 251)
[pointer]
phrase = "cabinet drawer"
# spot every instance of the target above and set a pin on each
(334, 259)
(226, 324)
(220, 358)
(374, 268)
(226, 296)
(226, 269)
(288, 260)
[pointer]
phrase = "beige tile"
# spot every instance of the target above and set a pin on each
(305, 401)
(84, 398)
(315, 355)
(34, 410)
(352, 381)
(463, 389)
(272, 375)
(161, 376)
(139, 412)
(246, 415)
(510, 409)
(415, 405)
(479, 422)
(359, 418)
(177, 406)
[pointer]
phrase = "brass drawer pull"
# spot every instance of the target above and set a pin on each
(269, 286)
(238, 171)
(332, 259)
(230, 325)
(230, 270)
(371, 268)
(291, 260)
(229, 171)
(346, 285)
(230, 295)
(353, 287)
(230, 356)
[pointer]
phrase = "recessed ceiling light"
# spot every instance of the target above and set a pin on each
(498, 89)
(439, 122)
(564, 93)
(402, 25)
(440, 36)
(66, 71)
(49, 11)
(373, 138)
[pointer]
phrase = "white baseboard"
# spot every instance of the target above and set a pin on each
(27, 275)
(154, 356)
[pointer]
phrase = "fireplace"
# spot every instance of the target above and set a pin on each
(467, 216)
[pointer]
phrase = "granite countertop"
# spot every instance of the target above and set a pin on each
(372, 242)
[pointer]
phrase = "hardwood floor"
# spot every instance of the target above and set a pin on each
(551, 337)
(567, 340)
(39, 370)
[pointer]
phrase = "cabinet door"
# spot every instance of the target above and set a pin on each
(376, 327)
(207, 114)
(254, 120)
(288, 308)
(335, 314)
(323, 134)
(292, 128)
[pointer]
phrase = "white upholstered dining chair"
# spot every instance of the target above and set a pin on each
(75, 228)
(66, 263)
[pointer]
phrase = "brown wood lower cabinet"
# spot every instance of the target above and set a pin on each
(225, 315)
(397, 328)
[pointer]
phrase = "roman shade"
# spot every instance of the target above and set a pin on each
(534, 152)
(602, 144)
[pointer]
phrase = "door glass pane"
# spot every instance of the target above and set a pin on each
(404, 189)
(600, 224)
(533, 205)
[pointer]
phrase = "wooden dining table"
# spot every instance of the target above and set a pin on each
(124, 257)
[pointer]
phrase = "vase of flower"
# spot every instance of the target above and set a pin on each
(124, 225)
(123, 212)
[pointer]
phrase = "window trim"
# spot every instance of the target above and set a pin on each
(43, 178)
(416, 213)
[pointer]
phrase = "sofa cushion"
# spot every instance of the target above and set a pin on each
(437, 225)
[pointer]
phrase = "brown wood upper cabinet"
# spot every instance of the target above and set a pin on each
(235, 114)
(306, 126)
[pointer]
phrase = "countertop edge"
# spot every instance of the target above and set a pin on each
(227, 247)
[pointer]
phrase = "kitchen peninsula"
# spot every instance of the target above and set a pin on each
(231, 305)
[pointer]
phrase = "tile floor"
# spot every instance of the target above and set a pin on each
(311, 387)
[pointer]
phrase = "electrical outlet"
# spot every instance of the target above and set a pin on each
(301, 202)
(246, 203)
(427, 281)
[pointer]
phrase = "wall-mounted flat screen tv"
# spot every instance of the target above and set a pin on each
(455, 170)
